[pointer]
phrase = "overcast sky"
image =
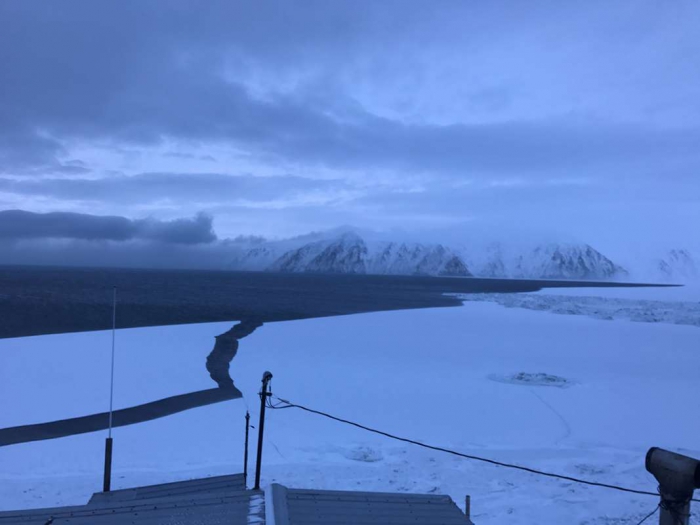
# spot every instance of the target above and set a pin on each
(575, 119)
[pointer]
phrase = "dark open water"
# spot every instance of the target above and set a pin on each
(46, 300)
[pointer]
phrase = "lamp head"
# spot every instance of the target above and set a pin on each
(678, 475)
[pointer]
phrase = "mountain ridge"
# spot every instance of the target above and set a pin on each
(347, 251)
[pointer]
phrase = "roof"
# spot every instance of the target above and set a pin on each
(223, 500)
(309, 507)
(209, 501)
(214, 485)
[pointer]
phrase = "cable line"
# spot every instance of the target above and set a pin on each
(283, 403)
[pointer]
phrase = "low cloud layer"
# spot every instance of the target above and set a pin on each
(208, 188)
(17, 225)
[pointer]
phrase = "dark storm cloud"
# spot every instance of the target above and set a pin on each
(177, 231)
(125, 255)
(148, 187)
(22, 225)
(139, 72)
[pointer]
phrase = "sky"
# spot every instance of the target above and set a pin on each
(184, 123)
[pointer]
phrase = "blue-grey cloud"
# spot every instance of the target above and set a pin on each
(211, 188)
(140, 72)
(22, 225)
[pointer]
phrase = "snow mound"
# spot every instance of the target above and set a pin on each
(536, 379)
(363, 454)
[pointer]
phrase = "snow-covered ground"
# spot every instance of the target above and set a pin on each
(445, 376)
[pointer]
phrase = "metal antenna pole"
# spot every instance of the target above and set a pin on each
(264, 394)
(111, 384)
(245, 453)
(107, 482)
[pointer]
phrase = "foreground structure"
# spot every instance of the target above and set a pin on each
(225, 500)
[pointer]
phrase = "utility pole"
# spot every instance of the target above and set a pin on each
(678, 477)
(264, 394)
(245, 453)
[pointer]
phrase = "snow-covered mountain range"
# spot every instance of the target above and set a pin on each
(350, 252)
(545, 261)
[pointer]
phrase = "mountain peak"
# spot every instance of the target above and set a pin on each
(567, 261)
(679, 265)
(347, 251)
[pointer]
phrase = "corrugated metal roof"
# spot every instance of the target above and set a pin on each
(211, 501)
(213, 485)
(218, 501)
(310, 507)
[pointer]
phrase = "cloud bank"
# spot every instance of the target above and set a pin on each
(16, 225)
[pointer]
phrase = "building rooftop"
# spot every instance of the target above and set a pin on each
(224, 500)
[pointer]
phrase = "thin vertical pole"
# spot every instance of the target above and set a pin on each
(245, 454)
(261, 427)
(107, 481)
(111, 383)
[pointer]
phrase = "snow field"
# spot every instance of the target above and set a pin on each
(423, 374)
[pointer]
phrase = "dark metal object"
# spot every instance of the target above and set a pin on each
(245, 453)
(678, 477)
(264, 394)
(107, 482)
